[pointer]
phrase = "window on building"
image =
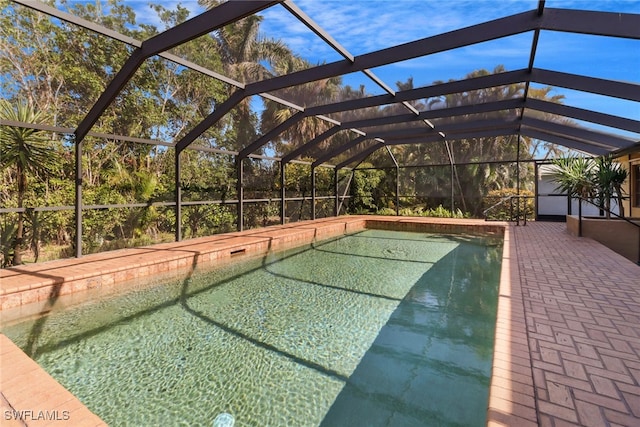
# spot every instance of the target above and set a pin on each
(636, 185)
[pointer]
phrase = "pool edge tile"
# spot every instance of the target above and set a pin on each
(507, 406)
(40, 387)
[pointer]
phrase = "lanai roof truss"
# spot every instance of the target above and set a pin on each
(521, 124)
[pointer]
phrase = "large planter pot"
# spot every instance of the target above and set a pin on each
(615, 234)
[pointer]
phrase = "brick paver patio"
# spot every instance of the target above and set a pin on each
(582, 311)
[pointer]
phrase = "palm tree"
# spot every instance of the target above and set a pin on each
(610, 176)
(246, 56)
(28, 152)
(474, 181)
(575, 176)
(600, 180)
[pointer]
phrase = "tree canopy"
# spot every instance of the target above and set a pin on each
(58, 70)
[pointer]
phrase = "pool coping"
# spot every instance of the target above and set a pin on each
(30, 289)
(512, 400)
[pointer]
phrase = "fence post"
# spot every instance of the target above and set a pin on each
(510, 208)
(579, 216)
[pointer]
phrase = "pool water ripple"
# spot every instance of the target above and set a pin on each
(365, 329)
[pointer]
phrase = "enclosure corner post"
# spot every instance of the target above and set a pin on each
(78, 201)
(536, 190)
(313, 192)
(518, 180)
(283, 192)
(638, 246)
(397, 190)
(178, 195)
(335, 182)
(579, 216)
(240, 191)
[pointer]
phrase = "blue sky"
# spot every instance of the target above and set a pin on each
(362, 26)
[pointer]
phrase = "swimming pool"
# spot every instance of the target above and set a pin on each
(374, 328)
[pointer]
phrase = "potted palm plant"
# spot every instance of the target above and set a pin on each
(608, 179)
(575, 176)
(598, 181)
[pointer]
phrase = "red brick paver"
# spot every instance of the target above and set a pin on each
(582, 312)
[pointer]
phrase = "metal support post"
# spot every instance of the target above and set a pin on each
(178, 195)
(78, 201)
(240, 191)
(579, 217)
(518, 180)
(536, 200)
(313, 192)
(397, 190)
(283, 192)
(335, 182)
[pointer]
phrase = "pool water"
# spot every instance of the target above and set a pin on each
(376, 328)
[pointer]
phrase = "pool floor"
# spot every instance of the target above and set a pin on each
(374, 328)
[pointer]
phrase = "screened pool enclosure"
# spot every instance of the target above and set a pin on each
(184, 125)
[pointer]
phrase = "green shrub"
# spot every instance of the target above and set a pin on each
(442, 212)
(439, 212)
(386, 211)
(407, 212)
(502, 212)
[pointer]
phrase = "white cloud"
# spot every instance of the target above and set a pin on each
(628, 6)
(363, 26)
(366, 25)
(146, 15)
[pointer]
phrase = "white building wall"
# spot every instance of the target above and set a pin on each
(557, 204)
